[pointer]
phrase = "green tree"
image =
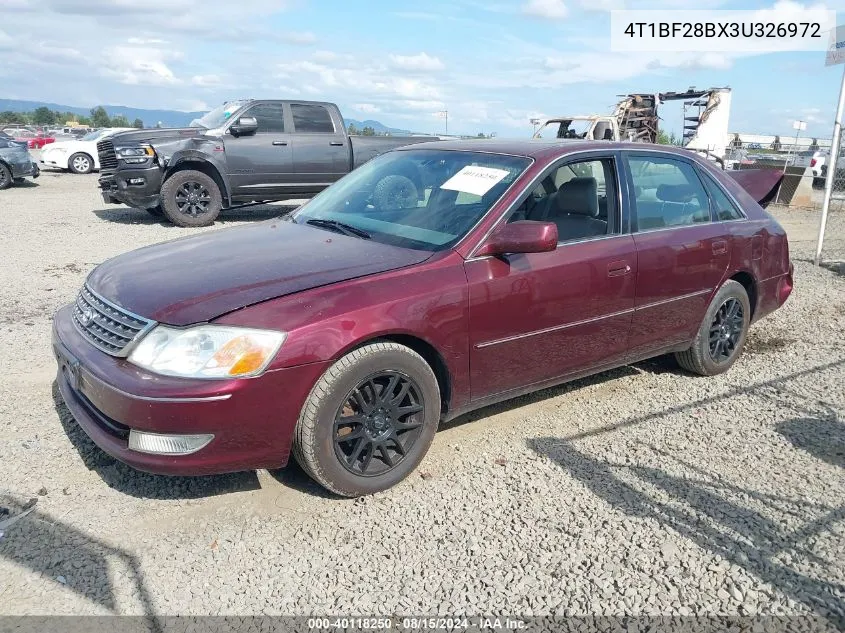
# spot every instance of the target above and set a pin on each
(352, 129)
(138, 123)
(119, 121)
(368, 131)
(99, 117)
(8, 117)
(43, 116)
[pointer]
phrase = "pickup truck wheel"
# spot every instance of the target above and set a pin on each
(80, 163)
(369, 420)
(191, 198)
(5, 177)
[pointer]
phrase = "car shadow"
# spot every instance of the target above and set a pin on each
(130, 215)
(70, 558)
(136, 483)
(821, 436)
(705, 510)
(26, 183)
(718, 516)
(658, 365)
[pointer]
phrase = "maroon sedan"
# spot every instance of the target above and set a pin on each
(433, 280)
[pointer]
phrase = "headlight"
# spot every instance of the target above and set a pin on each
(207, 351)
(142, 150)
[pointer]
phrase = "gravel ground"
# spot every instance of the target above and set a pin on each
(639, 491)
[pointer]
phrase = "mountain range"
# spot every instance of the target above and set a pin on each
(168, 118)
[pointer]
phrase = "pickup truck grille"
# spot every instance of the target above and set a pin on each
(108, 159)
(105, 326)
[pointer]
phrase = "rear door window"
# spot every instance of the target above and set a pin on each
(314, 119)
(667, 193)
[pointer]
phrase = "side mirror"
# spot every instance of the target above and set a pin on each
(524, 236)
(244, 126)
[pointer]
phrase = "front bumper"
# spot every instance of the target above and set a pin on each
(252, 420)
(133, 187)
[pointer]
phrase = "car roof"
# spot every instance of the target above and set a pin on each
(542, 148)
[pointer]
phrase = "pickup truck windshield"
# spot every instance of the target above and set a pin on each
(420, 199)
(218, 116)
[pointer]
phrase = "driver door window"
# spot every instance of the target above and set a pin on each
(579, 197)
(270, 117)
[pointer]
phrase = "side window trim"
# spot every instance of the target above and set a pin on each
(709, 184)
(665, 157)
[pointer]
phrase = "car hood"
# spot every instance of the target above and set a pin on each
(141, 136)
(199, 278)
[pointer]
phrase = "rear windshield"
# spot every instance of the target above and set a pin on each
(420, 199)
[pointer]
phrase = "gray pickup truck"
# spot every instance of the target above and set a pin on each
(241, 152)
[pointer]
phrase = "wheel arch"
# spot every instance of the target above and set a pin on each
(750, 284)
(196, 163)
(429, 352)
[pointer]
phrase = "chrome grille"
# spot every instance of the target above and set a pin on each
(106, 326)
(105, 151)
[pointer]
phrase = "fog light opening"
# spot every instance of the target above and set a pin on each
(158, 444)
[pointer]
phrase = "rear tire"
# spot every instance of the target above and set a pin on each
(369, 420)
(5, 177)
(725, 328)
(80, 163)
(191, 198)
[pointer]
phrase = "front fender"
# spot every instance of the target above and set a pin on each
(172, 158)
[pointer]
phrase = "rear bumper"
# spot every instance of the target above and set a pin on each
(252, 420)
(133, 187)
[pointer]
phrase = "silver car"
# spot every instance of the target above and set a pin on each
(15, 162)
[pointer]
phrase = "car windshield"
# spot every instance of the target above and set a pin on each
(93, 136)
(218, 116)
(420, 199)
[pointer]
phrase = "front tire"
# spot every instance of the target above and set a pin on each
(191, 198)
(80, 163)
(5, 177)
(369, 420)
(721, 337)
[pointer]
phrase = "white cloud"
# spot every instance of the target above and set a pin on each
(421, 62)
(143, 41)
(553, 9)
(206, 80)
(138, 66)
(301, 38)
(368, 108)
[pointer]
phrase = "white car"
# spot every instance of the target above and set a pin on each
(79, 156)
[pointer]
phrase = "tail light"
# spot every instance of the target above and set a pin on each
(812, 162)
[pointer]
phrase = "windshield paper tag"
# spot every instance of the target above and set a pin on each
(477, 180)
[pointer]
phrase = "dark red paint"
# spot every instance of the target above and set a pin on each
(496, 326)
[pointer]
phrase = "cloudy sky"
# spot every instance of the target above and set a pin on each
(493, 64)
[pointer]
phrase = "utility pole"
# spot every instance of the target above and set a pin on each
(831, 169)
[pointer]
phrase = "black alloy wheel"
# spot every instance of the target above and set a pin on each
(193, 198)
(5, 177)
(726, 330)
(378, 423)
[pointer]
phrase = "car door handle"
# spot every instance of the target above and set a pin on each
(720, 247)
(617, 269)
(280, 142)
(336, 143)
